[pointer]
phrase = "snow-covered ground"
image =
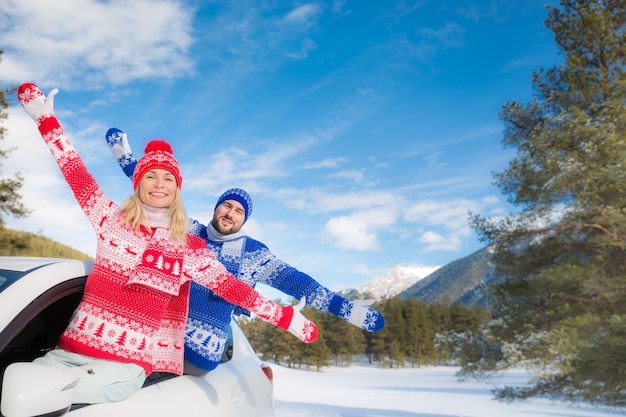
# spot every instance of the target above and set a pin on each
(361, 391)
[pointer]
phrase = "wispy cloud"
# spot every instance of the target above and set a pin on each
(244, 166)
(448, 36)
(303, 15)
(435, 241)
(306, 47)
(326, 163)
(353, 175)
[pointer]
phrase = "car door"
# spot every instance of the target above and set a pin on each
(236, 388)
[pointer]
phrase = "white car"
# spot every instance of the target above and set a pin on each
(37, 297)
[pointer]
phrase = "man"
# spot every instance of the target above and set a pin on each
(249, 260)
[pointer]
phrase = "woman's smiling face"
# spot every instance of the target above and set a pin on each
(157, 188)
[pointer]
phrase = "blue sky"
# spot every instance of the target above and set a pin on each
(365, 131)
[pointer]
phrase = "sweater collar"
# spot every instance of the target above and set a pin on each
(217, 237)
(157, 217)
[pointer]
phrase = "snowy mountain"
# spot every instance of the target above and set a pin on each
(461, 281)
(395, 281)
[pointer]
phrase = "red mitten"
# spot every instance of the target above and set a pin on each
(301, 327)
(35, 103)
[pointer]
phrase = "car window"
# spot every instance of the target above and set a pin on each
(228, 350)
(8, 277)
(37, 328)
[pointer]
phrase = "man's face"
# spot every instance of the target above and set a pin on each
(228, 217)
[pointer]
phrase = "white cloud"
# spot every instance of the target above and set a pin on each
(450, 35)
(117, 41)
(449, 217)
(419, 270)
(306, 46)
(435, 241)
(213, 172)
(358, 231)
(431, 237)
(370, 214)
(316, 200)
(325, 163)
(338, 6)
(490, 199)
(350, 233)
(303, 14)
(452, 214)
(354, 175)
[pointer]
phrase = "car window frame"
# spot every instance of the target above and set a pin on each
(37, 306)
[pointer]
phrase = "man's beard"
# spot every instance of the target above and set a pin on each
(225, 230)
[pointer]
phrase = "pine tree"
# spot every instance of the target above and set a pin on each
(278, 345)
(282, 346)
(10, 199)
(100, 330)
(419, 334)
(375, 342)
(253, 329)
(159, 262)
(315, 354)
(560, 304)
(464, 318)
(83, 323)
(392, 335)
(121, 340)
(343, 340)
(442, 322)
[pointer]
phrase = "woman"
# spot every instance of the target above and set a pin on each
(131, 319)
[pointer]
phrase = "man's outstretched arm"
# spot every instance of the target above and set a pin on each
(355, 311)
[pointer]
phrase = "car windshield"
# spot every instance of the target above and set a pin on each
(9, 277)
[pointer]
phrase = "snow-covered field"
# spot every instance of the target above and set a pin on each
(361, 391)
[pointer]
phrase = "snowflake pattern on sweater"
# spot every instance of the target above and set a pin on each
(128, 314)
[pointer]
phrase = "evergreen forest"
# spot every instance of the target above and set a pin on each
(408, 338)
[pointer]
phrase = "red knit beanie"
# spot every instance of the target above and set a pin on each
(159, 154)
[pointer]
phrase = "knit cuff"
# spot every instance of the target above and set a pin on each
(47, 124)
(285, 319)
(335, 306)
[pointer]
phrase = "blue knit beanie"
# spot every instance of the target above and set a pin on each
(240, 196)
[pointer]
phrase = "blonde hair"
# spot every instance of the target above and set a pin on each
(133, 216)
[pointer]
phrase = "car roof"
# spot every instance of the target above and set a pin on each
(26, 263)
(57, 270)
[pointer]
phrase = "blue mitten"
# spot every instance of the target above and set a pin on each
(120, 148)
(357, 312)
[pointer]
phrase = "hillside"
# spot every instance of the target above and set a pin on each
(16, 243)
(459, 281)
